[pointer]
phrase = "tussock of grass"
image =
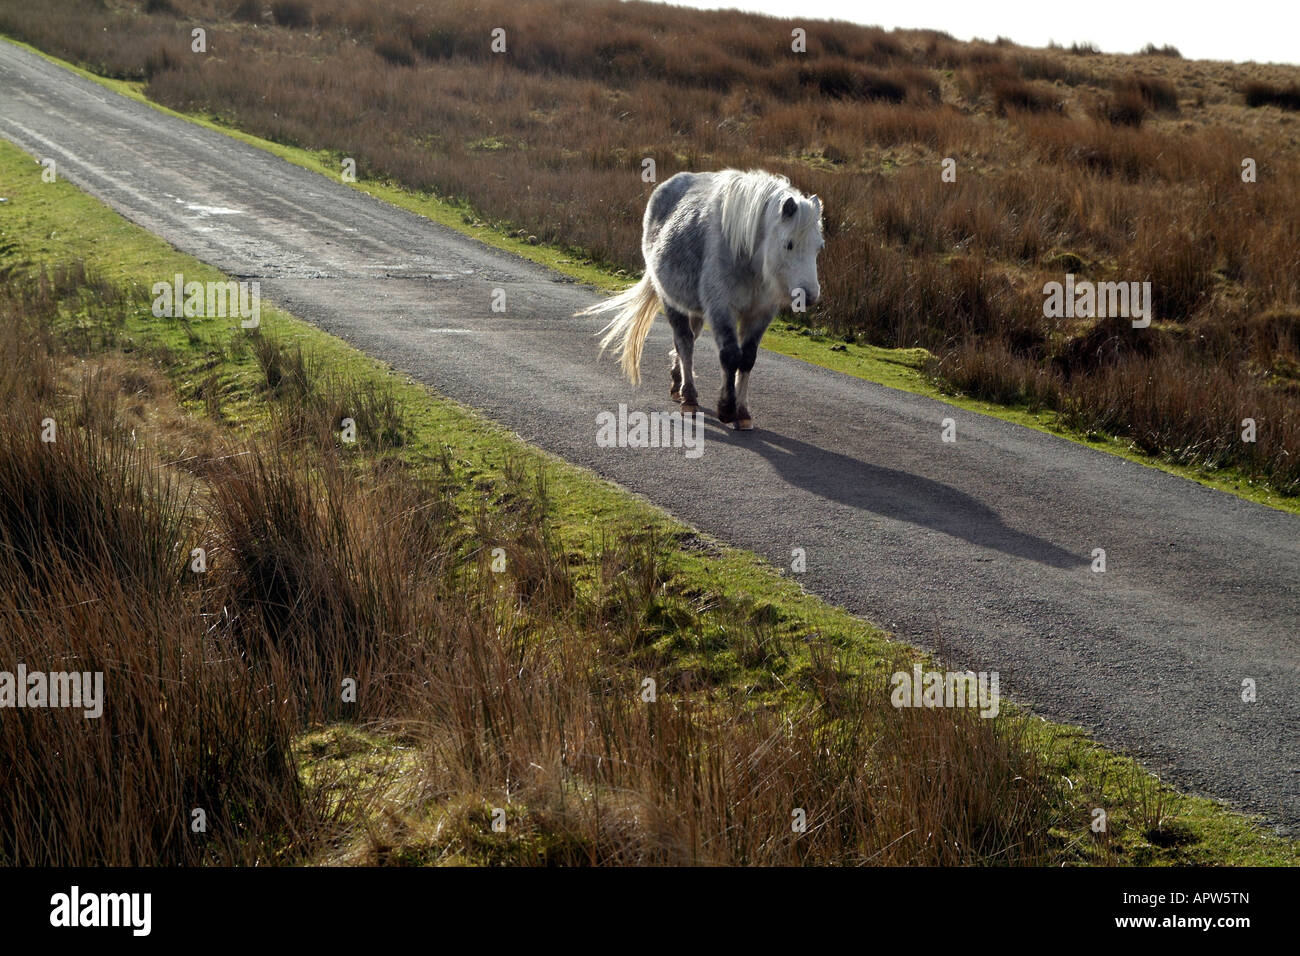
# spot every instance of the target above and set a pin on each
(1259, 93)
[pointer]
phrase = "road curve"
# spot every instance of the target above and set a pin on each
(981, 548)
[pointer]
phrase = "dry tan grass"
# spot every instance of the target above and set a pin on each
(519, 689)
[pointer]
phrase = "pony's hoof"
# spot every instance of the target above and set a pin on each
(676, 395)
(744, 421)
(689, 409)
(726, 413)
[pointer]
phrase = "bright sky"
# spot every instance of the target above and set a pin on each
(1266, 31)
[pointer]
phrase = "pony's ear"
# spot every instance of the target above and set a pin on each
(816, 201)
(790, 207)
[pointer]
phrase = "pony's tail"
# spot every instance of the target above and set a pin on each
(634, 312)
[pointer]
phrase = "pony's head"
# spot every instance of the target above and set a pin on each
(768, 220)
(790, 253)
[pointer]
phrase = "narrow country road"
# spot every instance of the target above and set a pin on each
(981, 548)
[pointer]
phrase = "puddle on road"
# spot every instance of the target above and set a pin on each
(209, 210)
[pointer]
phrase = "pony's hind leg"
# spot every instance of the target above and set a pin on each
(697, 322)
(683, 371)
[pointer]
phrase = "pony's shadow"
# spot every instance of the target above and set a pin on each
(895, 494)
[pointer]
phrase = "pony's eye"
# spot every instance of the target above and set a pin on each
(789, 245)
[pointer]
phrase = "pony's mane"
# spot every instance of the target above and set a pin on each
(745, 200)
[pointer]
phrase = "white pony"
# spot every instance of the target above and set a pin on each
(728, 247)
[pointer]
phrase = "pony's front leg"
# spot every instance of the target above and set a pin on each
(729, 356)
(744, 420)
(753, 334)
